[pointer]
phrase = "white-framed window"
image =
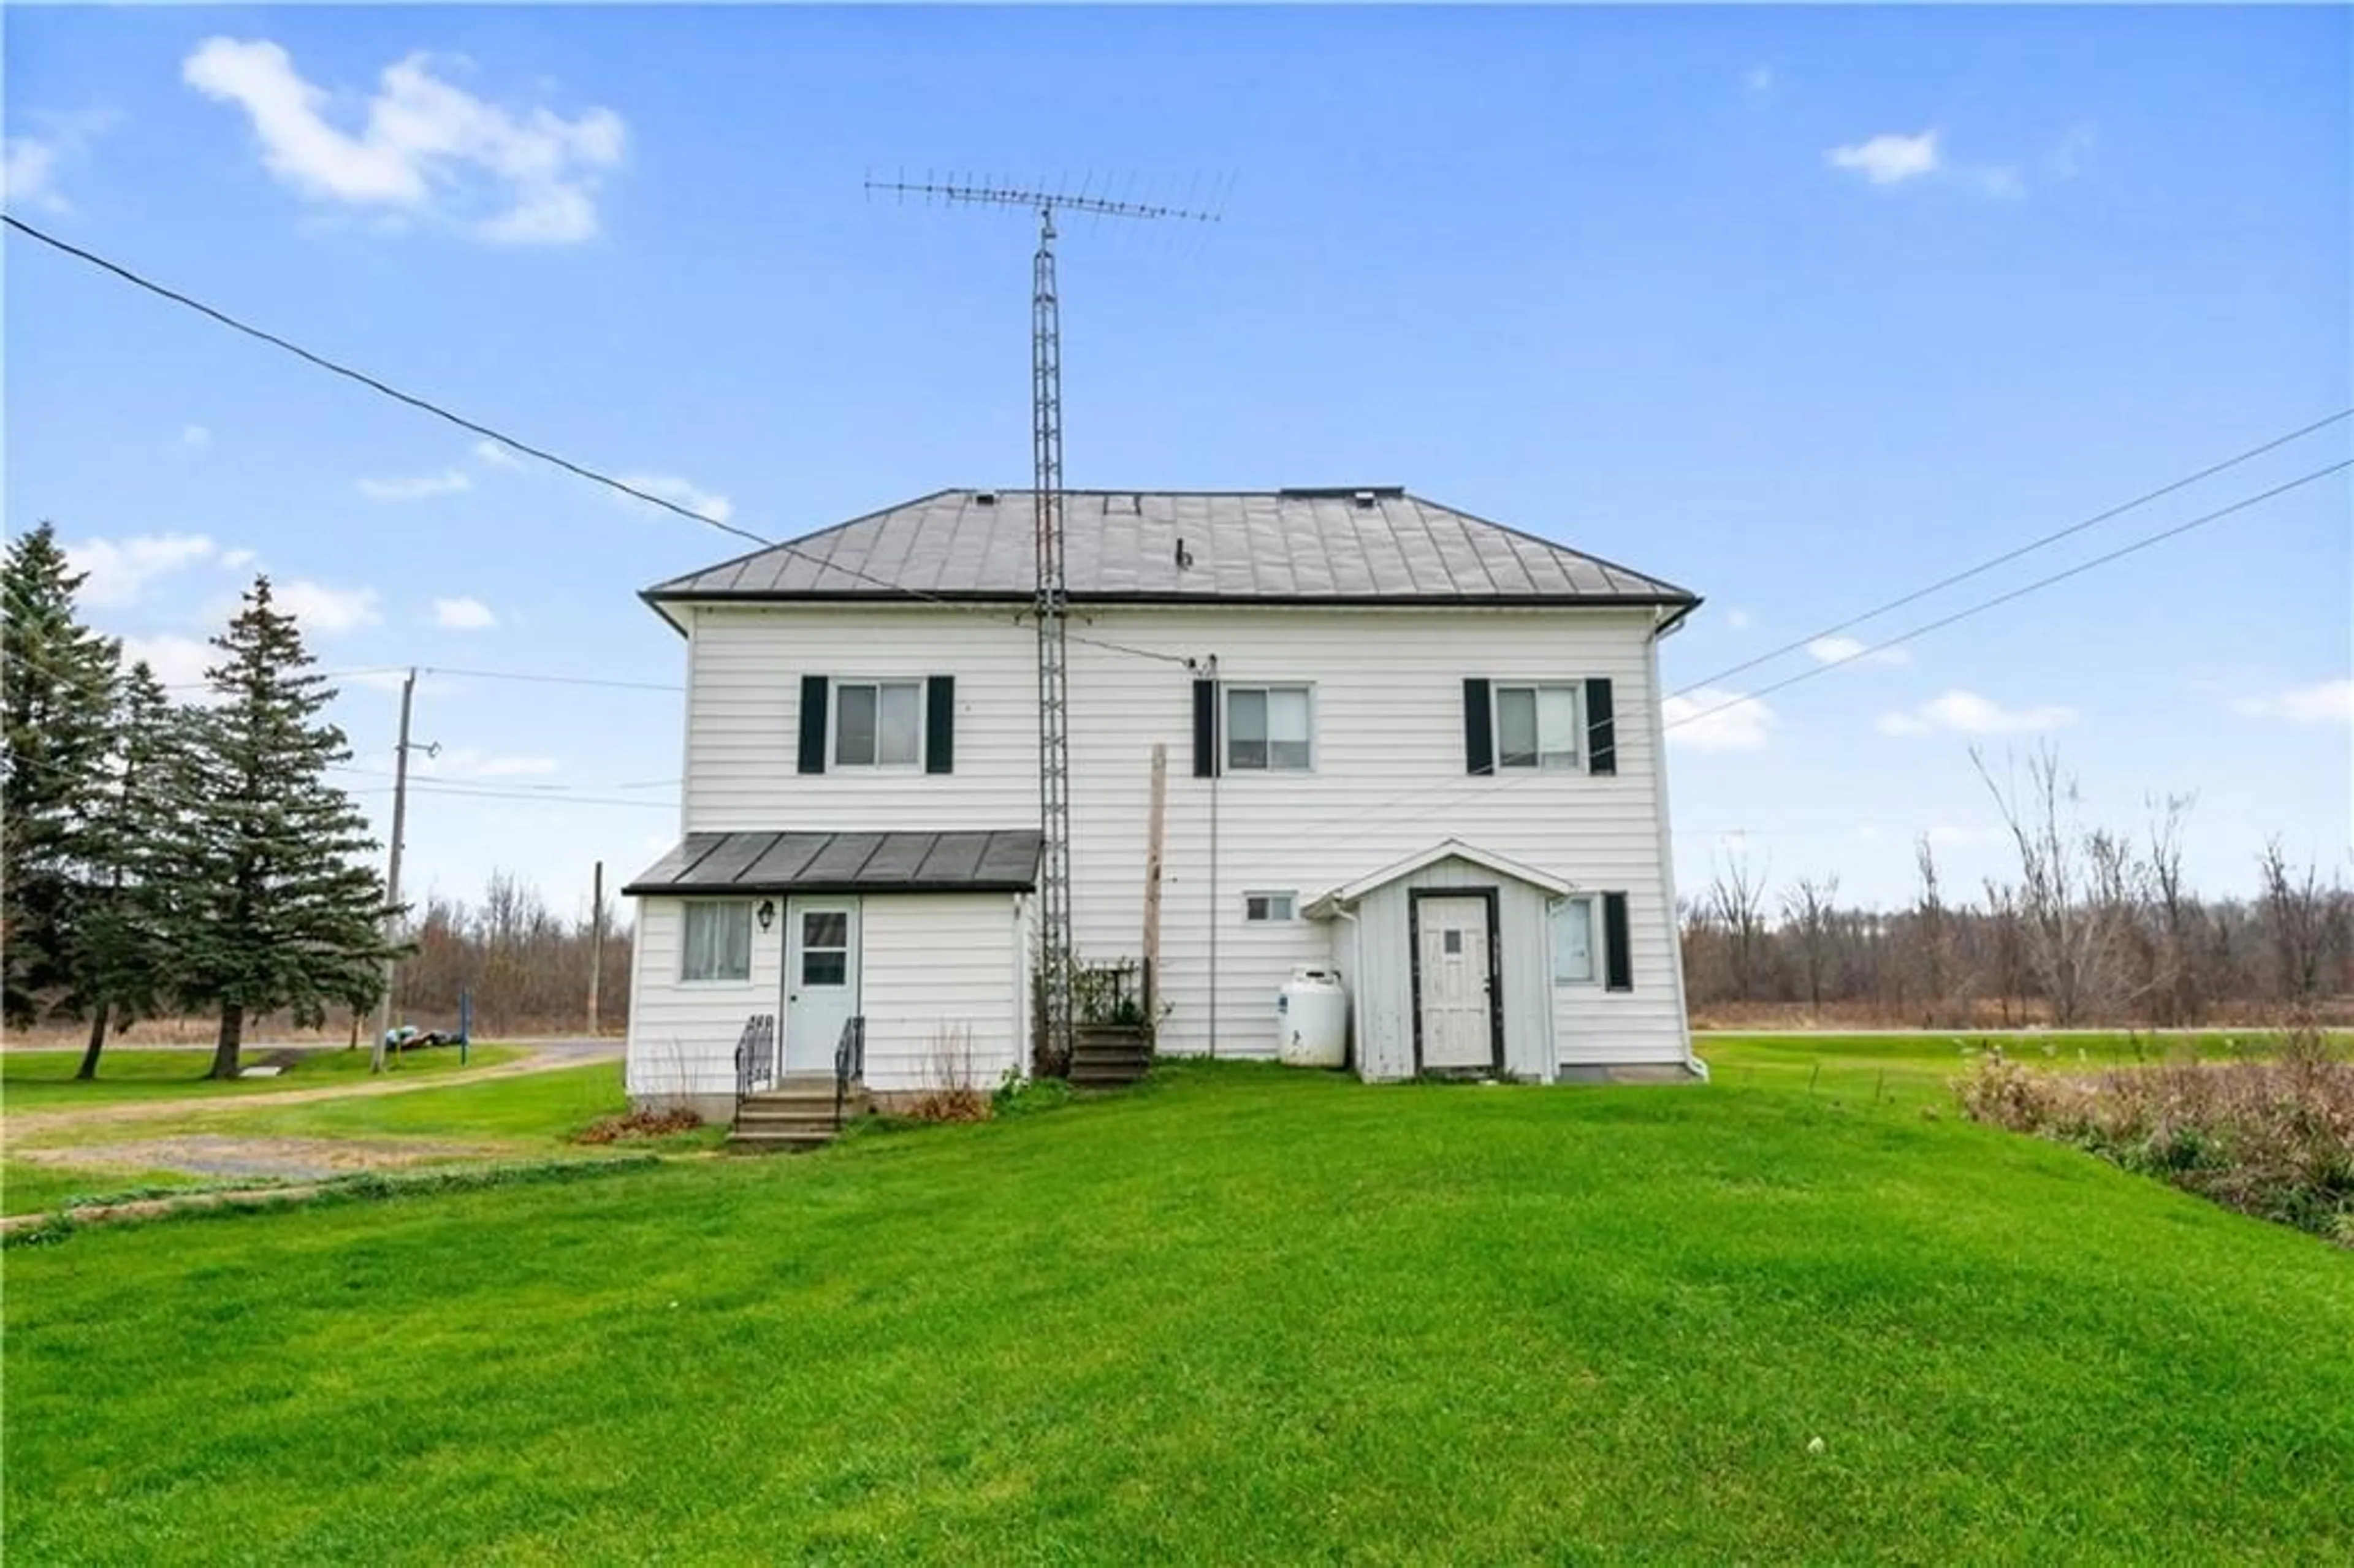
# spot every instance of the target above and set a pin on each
(1268, 729)
(1537, 727)
(878, 724)
(1577, 942)
(717, 944)
(1270, 909)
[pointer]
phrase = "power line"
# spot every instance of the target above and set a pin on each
(2009, 556)
(579, 471)
(2024, 590)
(1457, 792)
(548, 680)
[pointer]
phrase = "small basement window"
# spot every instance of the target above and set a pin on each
(1270, 909)
(717, 941)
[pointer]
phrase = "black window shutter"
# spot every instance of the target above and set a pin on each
(1601, 732)
(1206, 730)
(940, 724)
(1617, 964)
(1478, 729)
(813, 707)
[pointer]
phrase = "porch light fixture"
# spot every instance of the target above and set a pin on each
(766, 914)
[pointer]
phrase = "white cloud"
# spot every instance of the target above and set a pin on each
(178, 661)
(196, 438)
(2327, 702)
(425, 146)
(467, 762)
(1889, 159)
(28, 164)
(1710, 719)
(1967, 712)
(119, 572)
(2065, 161)
(418, 487)
(1848, 650)
(670, 487)
(1999, 181)
(1737, 621)
(1948, 835)
(318, 608)
(496, 454)
(235, 559)
(1759, 81)
(464, 615)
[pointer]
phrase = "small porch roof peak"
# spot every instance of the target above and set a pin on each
(1325, 905)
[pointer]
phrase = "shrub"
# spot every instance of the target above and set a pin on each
(632, 1124)
(2269, 1137)
(1018, 1095)
(952, 1095)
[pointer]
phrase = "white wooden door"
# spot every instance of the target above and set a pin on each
(821, 979)
(1457, 1027)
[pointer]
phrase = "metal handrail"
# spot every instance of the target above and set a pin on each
(849, 1063)
(755, 1056)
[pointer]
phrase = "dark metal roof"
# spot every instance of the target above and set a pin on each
(1290, 547)
(989, 860)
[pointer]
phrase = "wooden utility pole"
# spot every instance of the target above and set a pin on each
(1153, 875)
(596, 943)
(392, 871)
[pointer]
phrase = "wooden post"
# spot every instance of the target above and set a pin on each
(1152, 877)
(596, 943)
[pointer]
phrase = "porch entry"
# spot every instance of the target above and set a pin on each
(821, 979)
(1455, 981)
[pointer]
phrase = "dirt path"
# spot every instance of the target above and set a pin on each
(27, 1124)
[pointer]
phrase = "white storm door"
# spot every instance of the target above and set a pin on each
(821, 979)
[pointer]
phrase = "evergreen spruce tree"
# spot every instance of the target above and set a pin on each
(57, 689)
(287, 911)
(130, 944)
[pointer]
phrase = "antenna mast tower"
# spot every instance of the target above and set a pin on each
(1052, 601)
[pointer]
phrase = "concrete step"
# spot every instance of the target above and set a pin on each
(798, 1098)
(1086, 1079)
(768, 1116)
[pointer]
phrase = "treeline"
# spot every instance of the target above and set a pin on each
(526, 966)
(164, 858)
(2094, 926)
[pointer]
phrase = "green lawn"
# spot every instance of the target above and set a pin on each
(27, 1188)
(1241, 1314)
(44, 1080)
(1913, 1070)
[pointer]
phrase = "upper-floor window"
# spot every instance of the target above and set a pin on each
(878, 724)
(1268, 729)
(1536, 725)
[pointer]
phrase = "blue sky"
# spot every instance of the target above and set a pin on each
(1802, 308)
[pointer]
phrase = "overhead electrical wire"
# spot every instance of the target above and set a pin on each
(579, 471)
(2030, 547)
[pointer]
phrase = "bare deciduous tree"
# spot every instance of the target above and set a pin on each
(1736, 900)
(1810, 906)
(2070, 882)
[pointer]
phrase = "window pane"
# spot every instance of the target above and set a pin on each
(853, 726)
(1287, 715)
(825, 968)
(1246, 729)
(1572, 942)
(1516, 728)
(1557, 725)
(902, 720)
(1255, 907)
(716, 944)
(1279, 906)
(825, 928)
(1291, 755)
(1454, 941)
(734, 941)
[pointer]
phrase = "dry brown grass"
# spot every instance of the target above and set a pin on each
(953, 1094)
(2272, 1137)
(630, 1126)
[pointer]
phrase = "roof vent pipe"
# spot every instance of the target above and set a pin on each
(984, 498)
(1364, 500)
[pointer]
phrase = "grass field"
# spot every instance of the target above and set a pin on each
(44, 1080)
(1242, 1313)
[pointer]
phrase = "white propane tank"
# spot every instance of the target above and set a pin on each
(1312, 1015)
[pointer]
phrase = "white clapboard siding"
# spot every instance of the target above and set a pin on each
(683, 1036)
(944, 988)
(1389, 778)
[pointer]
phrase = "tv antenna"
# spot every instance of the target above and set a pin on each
(1047, 502)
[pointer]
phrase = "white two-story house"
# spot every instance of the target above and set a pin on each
(1395, 740)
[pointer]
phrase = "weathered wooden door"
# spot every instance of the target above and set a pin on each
(1457, 1025)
